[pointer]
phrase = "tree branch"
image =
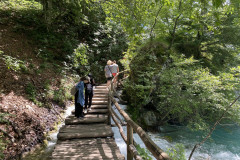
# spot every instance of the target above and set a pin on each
(175, 26)
(155, 21)
(209, 44)
(213, 128)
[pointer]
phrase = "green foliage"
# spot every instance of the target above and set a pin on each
(188, 94)
(14, 63)
(20, 4)
(80, 55)
(143, 153)
(58, 27)
(59, 96)
(144, 66)
(31, 91)
(183, 92)
(80, 58)
(2, 138)
(142, 96)
(62, 94)
(2, 147)
(47, 84)
(206, 31)
(177, 152)
(109, 42)
(2, 115)
(134, 112)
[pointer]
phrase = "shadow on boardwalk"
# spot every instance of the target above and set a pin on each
(88, 138)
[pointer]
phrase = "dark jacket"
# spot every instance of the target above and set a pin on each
(89, 85)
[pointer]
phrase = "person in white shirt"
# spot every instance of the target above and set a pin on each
(115, 70)
(108, 72)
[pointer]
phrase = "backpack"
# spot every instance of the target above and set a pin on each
(73, 90)
(89, 87)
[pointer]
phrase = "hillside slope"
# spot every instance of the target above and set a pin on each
(32, 89)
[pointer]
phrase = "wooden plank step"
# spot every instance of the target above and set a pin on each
(104, 91)
(84, 131)
(98, 111)
(83, 147)
(88, 157)
(89, 116)
(98, 95)
(83, 128)
(100, 98)
(100, 87)
(74, 135)
(99, 106)
(86, 120)
(104, 148)
(99, 156)
(95, 111)
(93, 141)
(99, 102)
(85, 158)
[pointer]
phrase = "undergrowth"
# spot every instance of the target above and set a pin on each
(145, 154)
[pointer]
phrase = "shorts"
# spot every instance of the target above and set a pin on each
(109, 78)
(114, 74)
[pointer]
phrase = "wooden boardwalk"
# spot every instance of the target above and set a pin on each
(89, 138)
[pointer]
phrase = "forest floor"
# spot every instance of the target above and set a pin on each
(27, 108)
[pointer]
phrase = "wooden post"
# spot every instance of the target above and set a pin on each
(112, 86)
(109, 107)
(129, 141)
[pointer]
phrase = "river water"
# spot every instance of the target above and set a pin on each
(224, 143)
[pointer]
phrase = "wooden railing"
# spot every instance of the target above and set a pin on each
(131, 126)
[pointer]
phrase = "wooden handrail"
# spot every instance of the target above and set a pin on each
(120, 128)
(115, 114)
(135, 152)
(157, 152)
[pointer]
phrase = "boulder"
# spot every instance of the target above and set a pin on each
(150, 119)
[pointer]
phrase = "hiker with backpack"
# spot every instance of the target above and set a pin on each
(79, 98)
(89, 92)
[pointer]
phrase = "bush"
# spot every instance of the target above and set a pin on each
(183, 93)
(14, 63)
(31, 91)
(189, 94)
(63, 94)
(177, 152)
(143, 153)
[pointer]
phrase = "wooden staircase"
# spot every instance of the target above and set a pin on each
(89, 138)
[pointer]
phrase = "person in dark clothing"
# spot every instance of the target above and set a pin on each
(89, 92)
(79, 98)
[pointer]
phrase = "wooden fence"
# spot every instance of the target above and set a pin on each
(131, 126)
